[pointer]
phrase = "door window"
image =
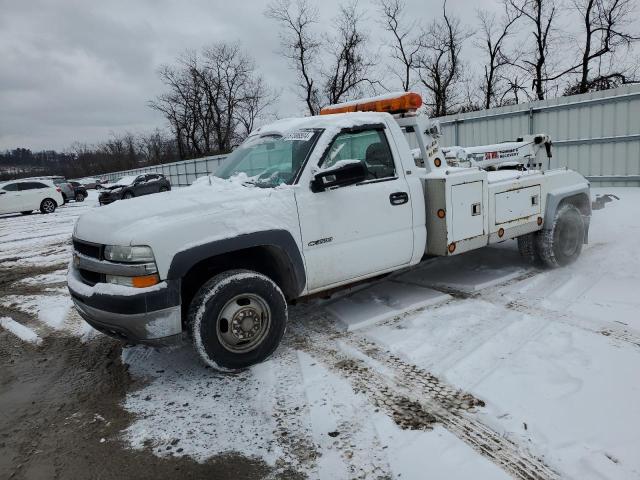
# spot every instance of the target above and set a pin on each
(12, 187)
(368, 146)
(31, 186)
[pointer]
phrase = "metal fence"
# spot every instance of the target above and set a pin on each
(597, 134)
(180, 174)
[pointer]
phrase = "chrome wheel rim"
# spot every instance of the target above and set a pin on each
(243, 323)
(48, 206)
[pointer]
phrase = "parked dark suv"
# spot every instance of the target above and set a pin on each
(133, 186)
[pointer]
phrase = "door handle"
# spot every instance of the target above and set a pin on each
(398, 198)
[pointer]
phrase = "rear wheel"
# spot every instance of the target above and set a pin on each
(562, 244)
(48, 206)
(79, 197)
(237, 319)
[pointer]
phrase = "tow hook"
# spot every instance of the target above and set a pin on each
(601, 200)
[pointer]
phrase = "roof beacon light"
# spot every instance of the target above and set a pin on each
(400, 102)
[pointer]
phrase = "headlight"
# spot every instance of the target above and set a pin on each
(128, 254)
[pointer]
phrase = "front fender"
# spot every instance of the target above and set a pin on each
(184, 260)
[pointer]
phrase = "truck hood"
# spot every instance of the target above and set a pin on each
(173, 221)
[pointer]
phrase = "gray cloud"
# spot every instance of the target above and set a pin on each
(73, 70)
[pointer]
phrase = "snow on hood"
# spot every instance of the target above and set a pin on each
(210, 209)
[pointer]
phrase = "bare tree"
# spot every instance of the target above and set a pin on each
(516, 87)
(542, 14)
(212, 99)
(258, 100)
(350, 64)
(404, 45)
(603, 23)
(439, 64)
(494, 33)
(299, 44)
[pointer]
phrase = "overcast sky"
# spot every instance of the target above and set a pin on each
(77, 70)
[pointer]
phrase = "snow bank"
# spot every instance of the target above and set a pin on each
(20, 331)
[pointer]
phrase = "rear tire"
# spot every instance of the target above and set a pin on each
(79, 197)
(237, 319)
(48, 205)
(562, 244)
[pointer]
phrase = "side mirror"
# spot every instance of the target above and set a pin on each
(343, 173)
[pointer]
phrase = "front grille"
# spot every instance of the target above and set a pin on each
(92, 250)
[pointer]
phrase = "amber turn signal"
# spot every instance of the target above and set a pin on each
(145, 281)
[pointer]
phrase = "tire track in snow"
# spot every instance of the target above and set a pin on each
(619, 333)
(292, 434)
(412, 397)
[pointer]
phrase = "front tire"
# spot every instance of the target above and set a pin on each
(48, 206)
(562, 244)
(237, 319)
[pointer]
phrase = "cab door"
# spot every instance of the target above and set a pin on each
(358, 230)
(11, 198)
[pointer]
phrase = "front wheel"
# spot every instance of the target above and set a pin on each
(562, 244)
(237, 319)
(48, 206)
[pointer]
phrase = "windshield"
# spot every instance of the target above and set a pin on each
(125, 180)
(270, 160)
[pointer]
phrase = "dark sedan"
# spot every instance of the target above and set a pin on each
(79, 190)
(133, 186)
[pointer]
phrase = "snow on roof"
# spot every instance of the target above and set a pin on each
(339, 120)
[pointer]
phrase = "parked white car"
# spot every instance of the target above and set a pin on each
(27, 195)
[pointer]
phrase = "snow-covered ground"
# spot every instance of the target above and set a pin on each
(475, 366)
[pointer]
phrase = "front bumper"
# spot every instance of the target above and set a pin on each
(106, 199)
(153, 316)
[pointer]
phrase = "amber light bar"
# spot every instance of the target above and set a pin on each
(400, 103)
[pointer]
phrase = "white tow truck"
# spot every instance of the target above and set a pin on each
(308, 205)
